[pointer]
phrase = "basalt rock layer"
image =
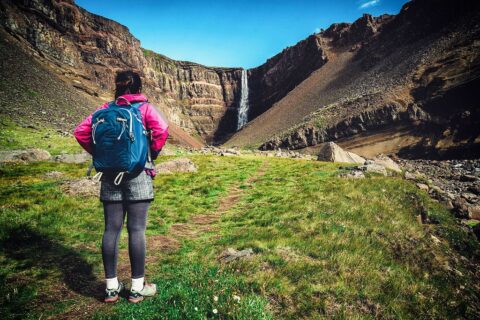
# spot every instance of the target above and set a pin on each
(274, 79)
(402, 84)
(86, 50)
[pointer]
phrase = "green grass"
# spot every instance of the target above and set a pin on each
(193, 290)
(325, 247)
(13, 136)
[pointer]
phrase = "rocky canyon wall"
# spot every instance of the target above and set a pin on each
(274, 79)
(415, 72)
(86, 50)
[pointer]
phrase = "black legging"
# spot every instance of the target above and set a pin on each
(136, 223)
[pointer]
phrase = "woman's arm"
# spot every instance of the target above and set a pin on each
(158, 126)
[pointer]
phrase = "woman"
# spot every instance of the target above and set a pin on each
(130, 198)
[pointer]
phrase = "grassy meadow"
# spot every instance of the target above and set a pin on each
(324, 246)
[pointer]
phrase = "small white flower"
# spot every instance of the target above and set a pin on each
(215, 311)
(196, 309)
(215, 298)
(236, 298)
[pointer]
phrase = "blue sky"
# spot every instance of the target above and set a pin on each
(230, 33)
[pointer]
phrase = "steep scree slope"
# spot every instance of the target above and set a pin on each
(411, 75)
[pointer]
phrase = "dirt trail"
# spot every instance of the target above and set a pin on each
(202, 223)
(157, 246)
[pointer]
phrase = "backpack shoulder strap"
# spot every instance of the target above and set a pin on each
(137, 105)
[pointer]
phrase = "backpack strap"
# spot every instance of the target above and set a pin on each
(149, 164)
(137, 105)
(89, 170)
(124, 99)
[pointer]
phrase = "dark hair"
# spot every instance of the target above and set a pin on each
(127, 82)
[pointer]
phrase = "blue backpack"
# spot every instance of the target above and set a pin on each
(119, 141)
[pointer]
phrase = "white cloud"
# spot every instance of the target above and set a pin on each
(369, 4)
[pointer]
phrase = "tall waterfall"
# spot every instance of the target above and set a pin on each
(243, 109)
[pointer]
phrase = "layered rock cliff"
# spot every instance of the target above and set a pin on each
(274, 79)
(401, 84)
(86, 50)
(202, 99)
(411, 75)
(271, 81)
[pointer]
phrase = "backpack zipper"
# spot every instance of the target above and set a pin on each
(131, 126)
(123, 126)
(94, 128)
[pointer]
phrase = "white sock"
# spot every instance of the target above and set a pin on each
(112, 283)
(137, 284)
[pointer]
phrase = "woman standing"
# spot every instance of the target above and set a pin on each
(130, 198)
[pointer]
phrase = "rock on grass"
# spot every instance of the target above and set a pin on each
(82, 187)
(73, 158)
(28, 155)
(231, 254)
(176, 165)
(332, 152)
(54, 174)
(387, 162)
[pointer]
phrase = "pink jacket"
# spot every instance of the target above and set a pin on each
(152, 120)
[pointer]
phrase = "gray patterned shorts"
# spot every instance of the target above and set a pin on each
(137, 189)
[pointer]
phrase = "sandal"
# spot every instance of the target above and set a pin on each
(148, 290)
(112, 295)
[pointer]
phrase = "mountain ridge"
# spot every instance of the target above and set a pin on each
(319, 89)
(86, 50)
(395, 71)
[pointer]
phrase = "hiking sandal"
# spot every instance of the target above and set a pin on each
(112, 295)
(148, 290)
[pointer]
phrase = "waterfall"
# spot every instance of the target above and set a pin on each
(243, 109)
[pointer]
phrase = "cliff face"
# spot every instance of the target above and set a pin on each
(415, 71)
(274, 79)
(271, 81)
(202, 99)
(86, 50)
(412, 75)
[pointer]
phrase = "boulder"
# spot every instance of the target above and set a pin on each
(73, 158)
(231, 254)
(461, 207)
(356, 174)
(83, 187)
(54, 174)
(331, 152)
(176, 165)
(468, 178)
(373, 168)
(474, 212)
(409, 176)
(470, 197)
(28, 155)
(422, 186)
(387, 162)
(475, 189)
